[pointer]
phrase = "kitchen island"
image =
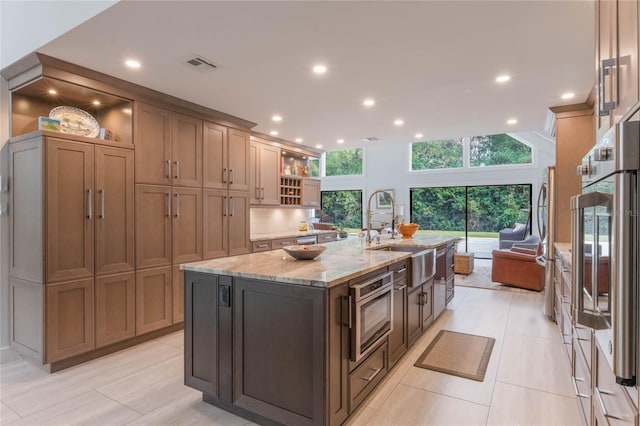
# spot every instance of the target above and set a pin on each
(272, 339)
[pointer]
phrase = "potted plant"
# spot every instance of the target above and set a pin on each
(342, 233)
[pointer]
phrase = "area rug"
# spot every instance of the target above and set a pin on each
(459, 354)
(481, 278)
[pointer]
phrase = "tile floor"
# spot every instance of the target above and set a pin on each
(527, 380)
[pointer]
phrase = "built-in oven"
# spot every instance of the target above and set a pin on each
(371, 319)
(605, 245)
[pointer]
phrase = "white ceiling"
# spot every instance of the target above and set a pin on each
(432, 64)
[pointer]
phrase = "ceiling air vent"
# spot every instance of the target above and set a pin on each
(370, 139)
(201, 63)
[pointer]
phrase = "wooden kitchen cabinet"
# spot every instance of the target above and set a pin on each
(69, 313)
(264, 166)
(153, 299)
(398, 338)
(69, 210)
(617, 75)
(177, 295)
(153, 226)
(226, 224)
(310, 193)
(114, 213)
(115, 308)
(186, 150)
(419, 310)
(152, 135)
(226, 156)
(338, 359)
(186, 224)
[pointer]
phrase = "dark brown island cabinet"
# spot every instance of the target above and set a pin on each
(279, 353)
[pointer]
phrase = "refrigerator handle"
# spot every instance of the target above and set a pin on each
(541, 232)
(624, 279)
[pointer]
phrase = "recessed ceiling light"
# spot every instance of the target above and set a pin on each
(512, 121)
(398, 122)
(304, 157)
(319, 69)
(96, 102)
(276, 118)
(318, 146)
(52, 92)
(126, 110)
(298, 140)
(503, 78)
(132, 63)
(418, 135)
(284, 152)
(340, 141)
(273, 133)
(368, 102)
(568, 95)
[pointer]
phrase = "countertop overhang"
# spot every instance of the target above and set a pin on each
(342, 261)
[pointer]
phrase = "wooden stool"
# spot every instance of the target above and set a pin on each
(463, 263)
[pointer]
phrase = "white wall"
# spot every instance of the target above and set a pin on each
(27, 25)
(387, 167)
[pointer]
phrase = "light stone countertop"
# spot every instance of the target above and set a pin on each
(564, 250)
(287, 234)
(342, 261)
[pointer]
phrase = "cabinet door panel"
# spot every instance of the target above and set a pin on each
(215, 227)
(186, 147)
(239, 241)
(69, 219)
(115, 308)
(114, 210)
(153, 144)
(627, 77)
(177, 294)
(238, 156)
(310, 193)
(187, 225)
(153, 226)
(338, 354)
(398, 337)
(69, 319)
(270, 175)
(414, 320)
(214, 153)
(153, 299)
(254, 173)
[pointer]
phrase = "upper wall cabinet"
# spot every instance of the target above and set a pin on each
(169, 147)
(225, 156)
(617, 61)
(41, 96)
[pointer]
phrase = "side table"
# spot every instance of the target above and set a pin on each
(463, 263)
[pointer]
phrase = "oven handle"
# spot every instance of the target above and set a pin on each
(380, 278)
(578, 204)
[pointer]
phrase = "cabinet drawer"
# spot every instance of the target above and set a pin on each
(328, 237)
(257, 246)
(367, 376)
(282, 242)
(611, 404)
(566, 330)
(399, 271)
(450, 289)
(582, 383)
(583, 338)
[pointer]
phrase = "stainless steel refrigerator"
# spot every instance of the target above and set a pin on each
(546, 231)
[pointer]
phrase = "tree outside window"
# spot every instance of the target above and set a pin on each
(342, 208)
(344, 162)
(494, 150)
(436, 154)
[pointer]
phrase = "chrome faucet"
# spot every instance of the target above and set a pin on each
(370, 214)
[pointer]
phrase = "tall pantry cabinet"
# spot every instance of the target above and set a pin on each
(72, 230)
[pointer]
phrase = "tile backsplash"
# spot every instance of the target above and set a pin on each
(266, 220)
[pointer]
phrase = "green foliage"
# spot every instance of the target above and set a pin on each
(437, 154)
(314, 167)
(482, 209)
(345, 162)
(498, 150)
(343, 208)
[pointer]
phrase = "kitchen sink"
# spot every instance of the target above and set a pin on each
(423, 262)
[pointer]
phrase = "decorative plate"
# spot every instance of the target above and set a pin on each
(75, 121)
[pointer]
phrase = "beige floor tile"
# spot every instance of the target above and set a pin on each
(527, 317)
(454, 386)
(535, 363)
(490, 321)
(515, 405)
(30, 396)
(88, 408)
(364, 416)
(7, 415)
(174, 339)
(411, 406)
(166, 379)
(189, 409)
